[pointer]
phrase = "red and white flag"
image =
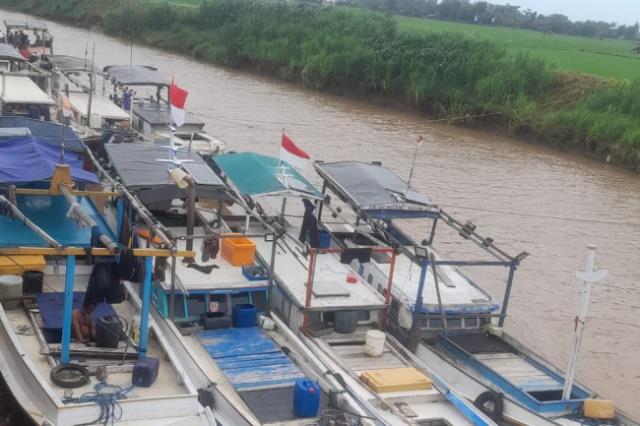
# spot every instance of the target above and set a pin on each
(292, 154)
(178, 97)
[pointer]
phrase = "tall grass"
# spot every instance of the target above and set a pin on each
(355, 51)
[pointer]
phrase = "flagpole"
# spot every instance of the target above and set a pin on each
(413, 164)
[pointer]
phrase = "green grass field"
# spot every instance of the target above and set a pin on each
(606, 58)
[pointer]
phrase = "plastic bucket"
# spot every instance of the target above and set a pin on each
(306, 398)
(346, 321)
(374, 343)
(244, 315)
(324, 240)
(10, 287)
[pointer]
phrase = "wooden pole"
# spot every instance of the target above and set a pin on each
(307, 302)
(387, 299)
(191, 209)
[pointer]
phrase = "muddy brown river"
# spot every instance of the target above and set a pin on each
(527, 197)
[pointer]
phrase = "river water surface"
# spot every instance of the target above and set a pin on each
(527, 197)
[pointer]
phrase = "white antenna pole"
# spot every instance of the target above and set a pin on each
(589, 277)
(419, 142)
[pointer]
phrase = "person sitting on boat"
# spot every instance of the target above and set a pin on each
(83, 328)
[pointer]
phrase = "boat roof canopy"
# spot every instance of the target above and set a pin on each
(7, 51)
(160, 114)
(375, 190)
(21, 89)
(44, 130)
(141, 171)
(136, 75)
(99, 105)
(69, 64)
(260, 175)
(25, 25)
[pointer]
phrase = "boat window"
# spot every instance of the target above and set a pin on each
(435, 323)
(454, 322)
(471, 322)
(364, 315)
(259, 299)
(217, 303)
(196, 305)
(242, 297)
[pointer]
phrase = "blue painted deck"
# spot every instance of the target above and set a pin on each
(249, 358)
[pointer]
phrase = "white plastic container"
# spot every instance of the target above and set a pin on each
(266, 322)
(10, 287)
(374, 343)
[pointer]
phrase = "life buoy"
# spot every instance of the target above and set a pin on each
(494, 413)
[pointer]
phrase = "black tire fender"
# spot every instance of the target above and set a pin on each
(69, 376)
(498, 404)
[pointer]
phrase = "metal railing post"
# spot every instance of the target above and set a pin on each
(507, 294)
(68, 309)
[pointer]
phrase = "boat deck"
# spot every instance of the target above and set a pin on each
(223, 275)
(423, 406)
(165, 384)
(331, 290)
(251, 361)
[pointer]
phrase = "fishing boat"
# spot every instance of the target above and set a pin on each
(439, 312)
(53, 243)
(31, 38)
(339, 317)
(90, 109)
(151, 112)
(24, 89)
(215, 310)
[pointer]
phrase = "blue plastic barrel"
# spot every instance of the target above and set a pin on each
(244, 315)
(306, 398)
(324, 240)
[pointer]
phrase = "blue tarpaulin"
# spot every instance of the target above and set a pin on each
(30, 159)
(45, 130)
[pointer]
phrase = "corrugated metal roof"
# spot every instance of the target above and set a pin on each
(136, 75)
(99, 105)
(158, 114)
(22, 90)
(375, 189)
(71, 63)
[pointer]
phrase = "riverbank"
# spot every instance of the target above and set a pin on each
(363, 54)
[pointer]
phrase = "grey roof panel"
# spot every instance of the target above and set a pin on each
(158, 114)
(136, 75)
(139, 169)
(373, 188)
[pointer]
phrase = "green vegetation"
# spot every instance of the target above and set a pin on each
(606, 57)
(368, 54)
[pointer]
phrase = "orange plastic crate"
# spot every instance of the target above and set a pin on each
(238, 251)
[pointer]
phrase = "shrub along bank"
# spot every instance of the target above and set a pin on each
(359, 52)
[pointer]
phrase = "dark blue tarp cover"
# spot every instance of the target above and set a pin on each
(51, 305)
(45, 130)
(30, 159)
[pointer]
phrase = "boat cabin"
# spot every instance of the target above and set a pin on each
(30, 38)
(150, 107)
(76, 78)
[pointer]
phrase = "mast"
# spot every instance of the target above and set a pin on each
(589, 277)
(91, 83)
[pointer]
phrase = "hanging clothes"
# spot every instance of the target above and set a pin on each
(104, 285)
(309, 233)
